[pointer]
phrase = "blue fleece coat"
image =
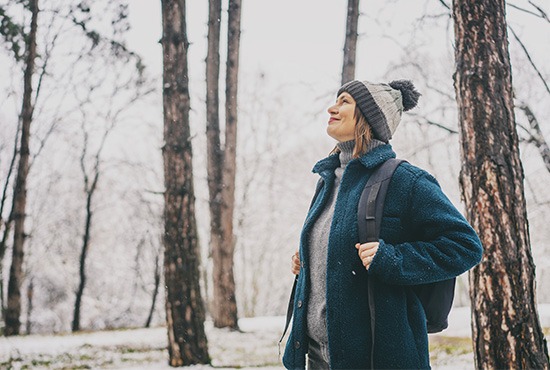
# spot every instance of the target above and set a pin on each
(423, 239)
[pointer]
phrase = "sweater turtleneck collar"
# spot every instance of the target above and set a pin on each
(346, 151)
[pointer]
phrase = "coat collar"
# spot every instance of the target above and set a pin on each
(369, 160)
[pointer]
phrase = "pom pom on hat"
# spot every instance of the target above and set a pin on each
(408, 92)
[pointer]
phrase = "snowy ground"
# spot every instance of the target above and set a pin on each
(255, 347)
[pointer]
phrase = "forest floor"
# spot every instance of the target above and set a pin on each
(255, 346)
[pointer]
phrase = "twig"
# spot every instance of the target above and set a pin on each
(445, 4)
(433, 123)
(543, 14)
(524, 10)
(530, 60)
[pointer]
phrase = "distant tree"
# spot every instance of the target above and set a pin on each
(13, 310)
(17, 39)
(91, 178)
(506, 329)
(262, 127)
(5, 223)
(350, 44)
(222, 162)
(90, 159)
(30, 297)
(187, 343)
(154, 295)
(76, 17)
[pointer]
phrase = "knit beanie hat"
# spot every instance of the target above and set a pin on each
(382, 104)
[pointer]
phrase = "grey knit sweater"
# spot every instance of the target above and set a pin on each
(318, 250)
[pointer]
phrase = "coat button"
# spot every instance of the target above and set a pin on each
(299, 304)
(296, 344)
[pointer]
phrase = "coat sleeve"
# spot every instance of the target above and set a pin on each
(448, 245)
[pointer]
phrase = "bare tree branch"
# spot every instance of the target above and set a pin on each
(435, 16)
(542, 12)
(530, 60)
(47, 55)
(542, 15)
(445, 5)
(425, 121)
(425, 77)
(536, 136)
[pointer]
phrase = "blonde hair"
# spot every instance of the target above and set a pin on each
(363, 135)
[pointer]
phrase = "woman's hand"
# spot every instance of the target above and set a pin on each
(366, 252)
(296, 263)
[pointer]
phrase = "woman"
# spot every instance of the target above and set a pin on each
(423, 239)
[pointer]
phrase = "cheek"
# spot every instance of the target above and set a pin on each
(350, 116)
(349, 124)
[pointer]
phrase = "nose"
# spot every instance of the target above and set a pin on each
(333, 109)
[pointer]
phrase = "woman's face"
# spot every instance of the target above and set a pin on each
(341, 124)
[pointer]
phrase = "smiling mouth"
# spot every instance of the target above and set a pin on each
(332, 120)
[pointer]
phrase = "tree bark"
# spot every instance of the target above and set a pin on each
(187, 343)
(505, 327)
(350, 44)
(13, 310)
(215, 153)
(225, 303)
(222, 162)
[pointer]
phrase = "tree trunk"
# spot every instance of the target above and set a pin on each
(5, 225)
(350, 44)
(221, 162)
(155, 292)
(225, 303)
(30, 296)
(84, 251)
(215, 153)
(185, 316)
(505, 327)
(13, 310)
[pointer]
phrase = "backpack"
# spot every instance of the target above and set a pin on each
(436, 298)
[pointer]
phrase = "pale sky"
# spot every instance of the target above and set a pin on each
(304, 38)
(292, 41)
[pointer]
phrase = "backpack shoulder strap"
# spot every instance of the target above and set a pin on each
(371, 203)
(369, 219)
